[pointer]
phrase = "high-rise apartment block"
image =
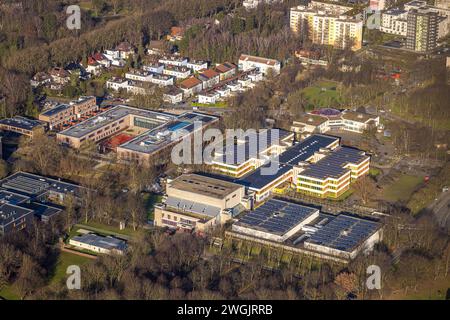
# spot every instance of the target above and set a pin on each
(422, 31)
(327, 27)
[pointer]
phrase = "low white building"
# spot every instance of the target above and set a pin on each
(255, 76)
(99, 244)
(197, 65)
(248, 62)
(137, 75)
(154, 67)
(173, 95)
(162, 80)
(174, 61)
(208, 97)
(224, 91)
(234, 86)
(177, 72)
(117, 84)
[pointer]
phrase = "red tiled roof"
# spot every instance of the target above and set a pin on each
(190, 83)
(176, 31)
(98, 56)
(225, 67)
(209, 73)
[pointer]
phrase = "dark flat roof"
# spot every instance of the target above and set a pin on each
(333, 164)
(276, 217)
(306, 149)
(344, 233)
(10, 213)
(59, 108)
(33, 185)
(242, 151)
(21, 122)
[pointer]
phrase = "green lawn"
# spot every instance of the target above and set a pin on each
(105, 229)
(373, 172)
(402, 189)
(9, 292)
(150, 200)
(322, 94)
(65, 260)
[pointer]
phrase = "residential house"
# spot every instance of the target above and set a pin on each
(210, 97)
(173, 95)
(226, 70)
(191, 86)
(248, 62)
(209, 78)
(177, 72)
(40, 79)
(59, 76)
(197, 65)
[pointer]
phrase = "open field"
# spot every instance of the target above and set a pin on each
(9, 292)
(150, 200)
(322, 94)
(402, 188)
(65, 260)
(431, 290)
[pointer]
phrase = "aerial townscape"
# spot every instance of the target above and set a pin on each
(225, 150)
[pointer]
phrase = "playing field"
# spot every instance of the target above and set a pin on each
(322, 94)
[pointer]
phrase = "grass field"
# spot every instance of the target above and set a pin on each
(65, 260)
(150, 200)
(104, 229)
(402, 188)
(322, 94)
(9, 292)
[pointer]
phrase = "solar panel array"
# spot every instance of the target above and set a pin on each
(334, 163)
(243, 151)
(305, 149)
(276, 217)
(344, 233)
(26, 184)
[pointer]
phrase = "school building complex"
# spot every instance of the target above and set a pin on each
(152, 131)
(317, 166)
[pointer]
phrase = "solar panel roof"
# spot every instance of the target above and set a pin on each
(333, 164)
(344, 233)
(251, 146)
(297, 153)
(306, 149)
(276, 217)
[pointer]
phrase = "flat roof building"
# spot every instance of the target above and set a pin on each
(24, 194)
(248, 62)
(303, 229)
(317, 166)
(22, 125)
(99, 244)
(198, 203)
(275, 220)
(64, 114)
